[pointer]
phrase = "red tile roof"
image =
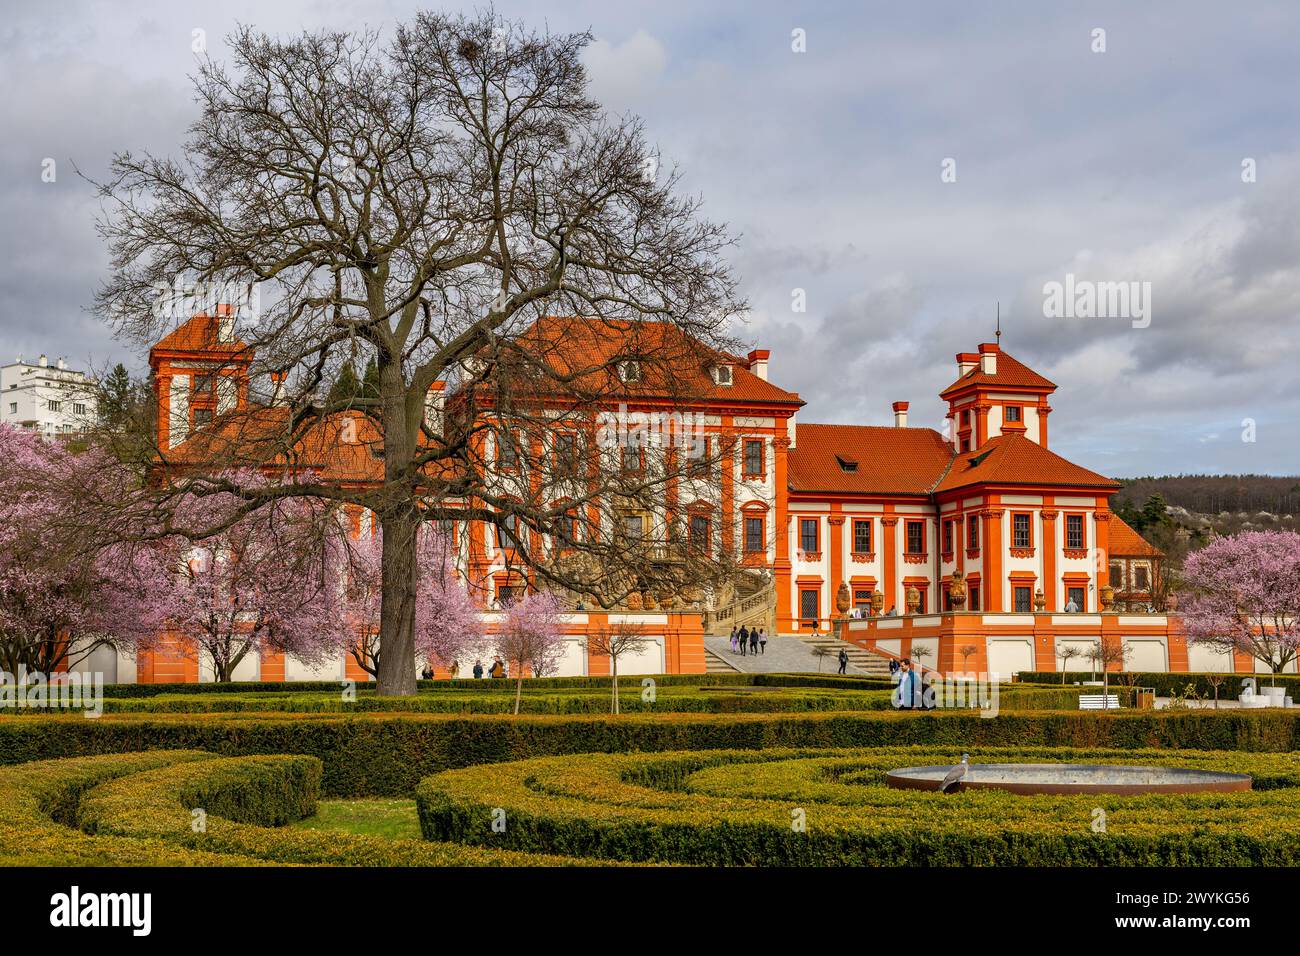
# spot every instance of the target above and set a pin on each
(1127, 543)
(1013, 459)
(201, 333)
(675, 366)
(889, 460)
(1011, 373)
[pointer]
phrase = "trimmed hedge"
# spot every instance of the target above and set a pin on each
(247, 799)
(1167, 683)
(38, 807)
(738, 808)
(386, 755)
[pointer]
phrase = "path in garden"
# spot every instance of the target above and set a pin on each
(785, 655)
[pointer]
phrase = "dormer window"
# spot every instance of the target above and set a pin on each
(722, 375)
(629, 370)
(1013, 413)
(847, 465)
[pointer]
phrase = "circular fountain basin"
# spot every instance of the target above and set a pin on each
(1064, 778)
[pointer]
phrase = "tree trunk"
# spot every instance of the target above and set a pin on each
(614, 664)
(399, 519)
(519, 686)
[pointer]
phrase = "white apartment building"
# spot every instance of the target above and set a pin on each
(49, 398)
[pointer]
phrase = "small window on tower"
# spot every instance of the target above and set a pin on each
(1013, 413)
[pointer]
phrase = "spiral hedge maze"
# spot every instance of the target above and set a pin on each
(831, 808)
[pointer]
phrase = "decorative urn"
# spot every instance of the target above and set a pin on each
(842, 598)
(1040, 600)
(957, 591)
(912, 597)
(877, 602)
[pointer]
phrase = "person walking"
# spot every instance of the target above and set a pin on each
(455, 669)
(762, 640)
(498, 670)
(427, 673)
(733, 638)
(744, 639)
(844, 661)
(753, 642)
(478, 670)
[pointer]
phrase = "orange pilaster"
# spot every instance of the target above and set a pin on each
(1049, 562)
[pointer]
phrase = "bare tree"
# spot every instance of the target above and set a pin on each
(1103, 655)
(967, 651)
(1067, 653)
(614, 642)
(424, 204)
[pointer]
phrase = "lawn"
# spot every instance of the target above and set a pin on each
(386, 817)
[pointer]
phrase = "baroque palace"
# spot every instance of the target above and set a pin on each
(979, 544)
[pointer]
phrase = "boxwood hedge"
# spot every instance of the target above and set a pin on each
(387, 754)
(820, 808)
(246, 800)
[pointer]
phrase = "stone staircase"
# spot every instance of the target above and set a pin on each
(713, 664)
(748, 600)
(872, 664)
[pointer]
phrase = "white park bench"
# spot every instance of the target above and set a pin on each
(1099, 701)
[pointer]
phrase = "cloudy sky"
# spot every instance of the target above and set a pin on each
(1119, 165)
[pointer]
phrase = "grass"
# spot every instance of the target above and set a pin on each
(386, 817)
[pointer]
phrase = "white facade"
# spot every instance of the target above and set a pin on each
(48, 398)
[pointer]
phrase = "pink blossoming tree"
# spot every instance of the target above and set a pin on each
(447, 621)
(68, 588)
(261, 584)
(1242, 593)
(531, 635)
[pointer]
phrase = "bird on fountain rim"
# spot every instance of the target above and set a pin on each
(955, 776)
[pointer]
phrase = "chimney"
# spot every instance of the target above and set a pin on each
(277, 390)
(966, 361)
(62, 364)
(44, 362)
(758, 362)
(225, 323)
(900, 414)
(989, 358)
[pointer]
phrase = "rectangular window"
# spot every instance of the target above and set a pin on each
(1074, 532)
(1141, 579)
(633, 527)
(202, 384)
(508, 535)
(13, 408)
(700, 535)
(973, 532)
(699, 463)
(505, 595)
(862, 600)
(507, 453)
(566, 454)
(54, 404)
(202, 416)
(632, 460)
(1024, 597)
(753, 458)
(1117, 576)
(808, 534)
(947, 537)
(1021, 532)
(1013, 413)
(78, 408)
(916, 537)
(973, 597)
(755, 539)
(861, 537)
(808, 610)
(965, 418)
(446, 530)
(1076, 595)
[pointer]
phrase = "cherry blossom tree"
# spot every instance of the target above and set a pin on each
(263, 584)
(66, 588)
(447, 621)
(532, 635)
(1242, 593)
